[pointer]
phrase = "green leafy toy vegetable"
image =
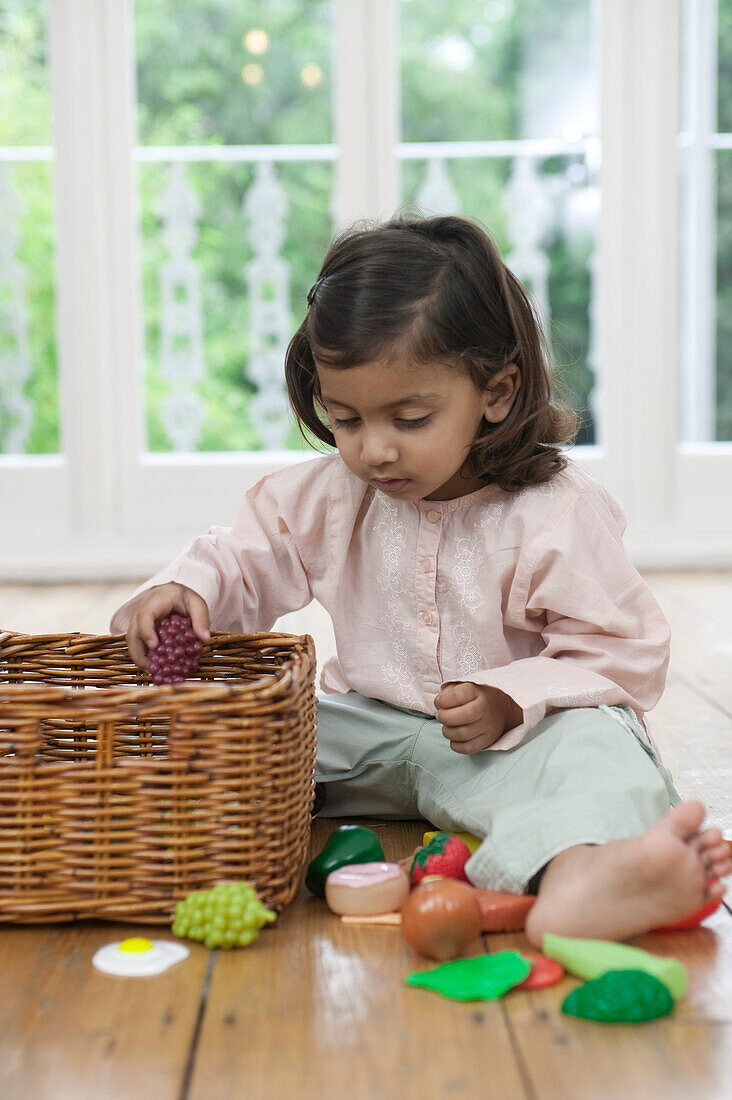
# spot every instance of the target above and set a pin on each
(346, 844)
(484, 978)
(620, 996)
(229, 915)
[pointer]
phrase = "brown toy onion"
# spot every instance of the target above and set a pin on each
(441, 917)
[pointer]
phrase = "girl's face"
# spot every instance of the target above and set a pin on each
(408, 429)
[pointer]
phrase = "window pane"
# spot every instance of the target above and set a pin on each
(25, 118)
(230, 245)
(722, 423)
(722, 426)
(724, 64)
(706, 222)
(511, 71)
(29, 406)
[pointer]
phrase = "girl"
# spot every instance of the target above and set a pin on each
(496, 647)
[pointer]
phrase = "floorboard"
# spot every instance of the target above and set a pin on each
(319, 1009)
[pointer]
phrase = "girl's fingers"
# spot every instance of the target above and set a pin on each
(142, 636)
(454, 695)
(146, 626)
(476, 744)
(197, 609)
(462, 715)
(468, 732)
(136, 649)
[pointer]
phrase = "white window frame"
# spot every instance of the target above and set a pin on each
(103, 508)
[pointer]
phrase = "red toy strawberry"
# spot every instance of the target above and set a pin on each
(444, 855)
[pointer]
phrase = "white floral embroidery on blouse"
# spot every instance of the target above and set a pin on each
(393, 538)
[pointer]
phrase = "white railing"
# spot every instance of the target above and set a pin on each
(533, 205)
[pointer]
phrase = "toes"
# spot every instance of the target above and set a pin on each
(718, 868)
(717, 851)
(685, 819)
(710, 838)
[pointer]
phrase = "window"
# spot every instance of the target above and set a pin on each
(177, 169)
(235, 185)
(705, 151)
(500, 121)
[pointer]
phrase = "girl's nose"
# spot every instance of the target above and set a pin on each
(377, 450)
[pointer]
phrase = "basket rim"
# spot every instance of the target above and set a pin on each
(137, 697)
(12, 638)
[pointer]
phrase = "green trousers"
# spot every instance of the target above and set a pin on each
(585, 775)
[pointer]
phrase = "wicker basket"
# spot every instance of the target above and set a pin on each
(117, 798)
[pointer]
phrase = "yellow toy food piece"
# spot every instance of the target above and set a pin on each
(135, 945)
(473, 842)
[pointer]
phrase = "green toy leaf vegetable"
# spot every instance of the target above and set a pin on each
(346, 844)
(620, 996)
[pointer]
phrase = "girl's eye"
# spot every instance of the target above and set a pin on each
(417, 423)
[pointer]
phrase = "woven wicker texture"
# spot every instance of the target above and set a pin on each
(117, 798)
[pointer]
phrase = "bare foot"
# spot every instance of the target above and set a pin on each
(626, 887)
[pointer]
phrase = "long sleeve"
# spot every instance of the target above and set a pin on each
(606, 639)
(262, 566)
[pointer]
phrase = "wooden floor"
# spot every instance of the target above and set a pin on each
(318, 1009)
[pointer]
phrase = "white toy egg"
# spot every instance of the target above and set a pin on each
(138, 957)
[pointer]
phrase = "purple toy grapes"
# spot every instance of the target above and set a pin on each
(178, 651)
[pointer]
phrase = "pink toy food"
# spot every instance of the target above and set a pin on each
(364, 889)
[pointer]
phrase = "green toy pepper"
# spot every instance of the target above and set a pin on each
(346, 844)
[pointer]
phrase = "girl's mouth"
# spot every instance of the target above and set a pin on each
(394, 485)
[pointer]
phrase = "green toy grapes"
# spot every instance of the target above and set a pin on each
(228, 915)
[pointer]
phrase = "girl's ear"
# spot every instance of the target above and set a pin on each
(501, 394)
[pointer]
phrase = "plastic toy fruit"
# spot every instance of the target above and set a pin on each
(484, 978)
(366, 889)
(178, 651)
(445, 855)
(346, 844)
(620, 996)
(229, 915)
(592, 958)
(440, 918)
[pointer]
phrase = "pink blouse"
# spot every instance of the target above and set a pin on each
(532, 593)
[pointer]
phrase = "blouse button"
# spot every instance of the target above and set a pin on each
(433, 516)
(426, 565)
(426, 618)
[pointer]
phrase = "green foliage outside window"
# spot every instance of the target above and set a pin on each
(191, 91)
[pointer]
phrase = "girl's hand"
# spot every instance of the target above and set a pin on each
(473, 716)
(156, 604)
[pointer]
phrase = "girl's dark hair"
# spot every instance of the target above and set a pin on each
(435, 290)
